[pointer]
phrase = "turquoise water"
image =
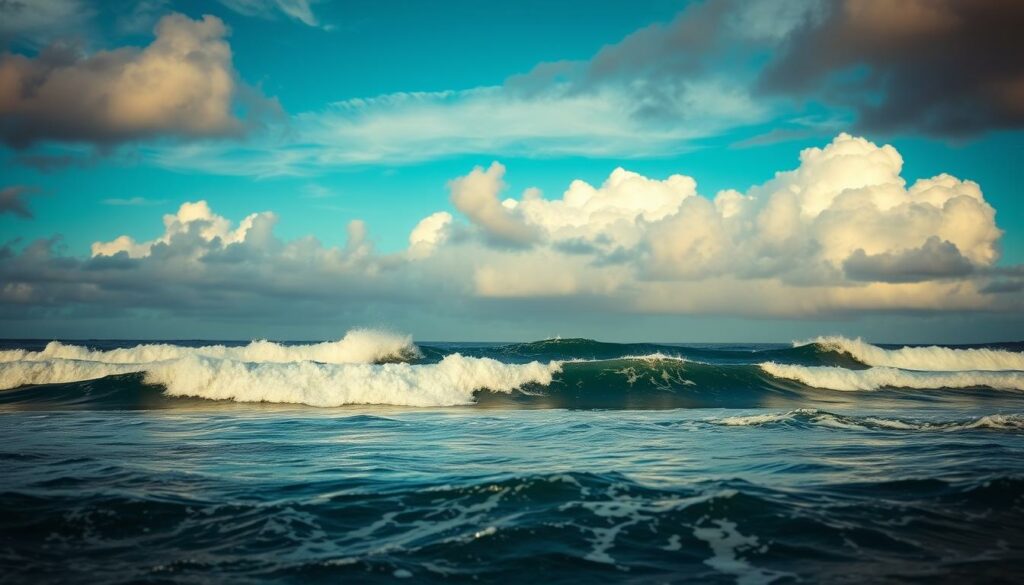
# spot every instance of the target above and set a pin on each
(678, 463)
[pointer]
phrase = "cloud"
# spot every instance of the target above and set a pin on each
(37, 22)
(840, 234)
(194, 221)
(476, 196)
(941, 67)
(12, 200)
(842, 231)
(429, 233)
(405, 128)
(300, 10)
(934, 259)
(132, 201)
(720, 67)
(183, 84)
(142, 16)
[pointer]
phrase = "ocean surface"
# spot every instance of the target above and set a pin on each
(377, 459)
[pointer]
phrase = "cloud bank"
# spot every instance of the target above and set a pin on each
(840, 234)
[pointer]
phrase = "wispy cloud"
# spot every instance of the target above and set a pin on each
(300, 10)
(133, 201)
(406, 128)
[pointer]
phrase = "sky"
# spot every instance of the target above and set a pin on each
(716, 171)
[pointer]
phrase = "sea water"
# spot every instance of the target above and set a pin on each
(376, 459)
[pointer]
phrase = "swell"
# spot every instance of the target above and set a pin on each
(588, 349)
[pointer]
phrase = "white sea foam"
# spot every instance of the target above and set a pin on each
(358, 346)
(726, 543)
(931, 358)
(836, 378)
(827, 419)
(450, 382)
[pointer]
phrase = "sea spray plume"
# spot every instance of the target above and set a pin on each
(358, 346)
(836, 378)
(932, 358)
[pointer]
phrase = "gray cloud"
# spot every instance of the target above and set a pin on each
(12, 200)
(941, 67)
(933, 260)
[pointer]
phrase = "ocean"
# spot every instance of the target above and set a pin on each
(377, 459)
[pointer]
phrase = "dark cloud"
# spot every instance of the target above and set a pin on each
(935, 259)
(940, 67)
(1003, 287)
(13, 201)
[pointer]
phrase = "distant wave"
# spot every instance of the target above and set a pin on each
(932, 358)
(836, 378)
(358, 346)
(815, 417)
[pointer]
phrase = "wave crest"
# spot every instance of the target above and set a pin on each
(931, 358)
(450, 382)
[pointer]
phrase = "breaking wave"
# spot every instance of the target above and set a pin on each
(931, 358)
(452, 381)
(372, 367)
(836, 378)
(358, 346)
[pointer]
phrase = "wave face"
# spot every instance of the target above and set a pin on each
(372, 367)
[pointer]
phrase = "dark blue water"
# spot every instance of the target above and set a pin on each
(619, 470)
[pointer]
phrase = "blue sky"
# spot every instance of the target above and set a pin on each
(327, 113)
